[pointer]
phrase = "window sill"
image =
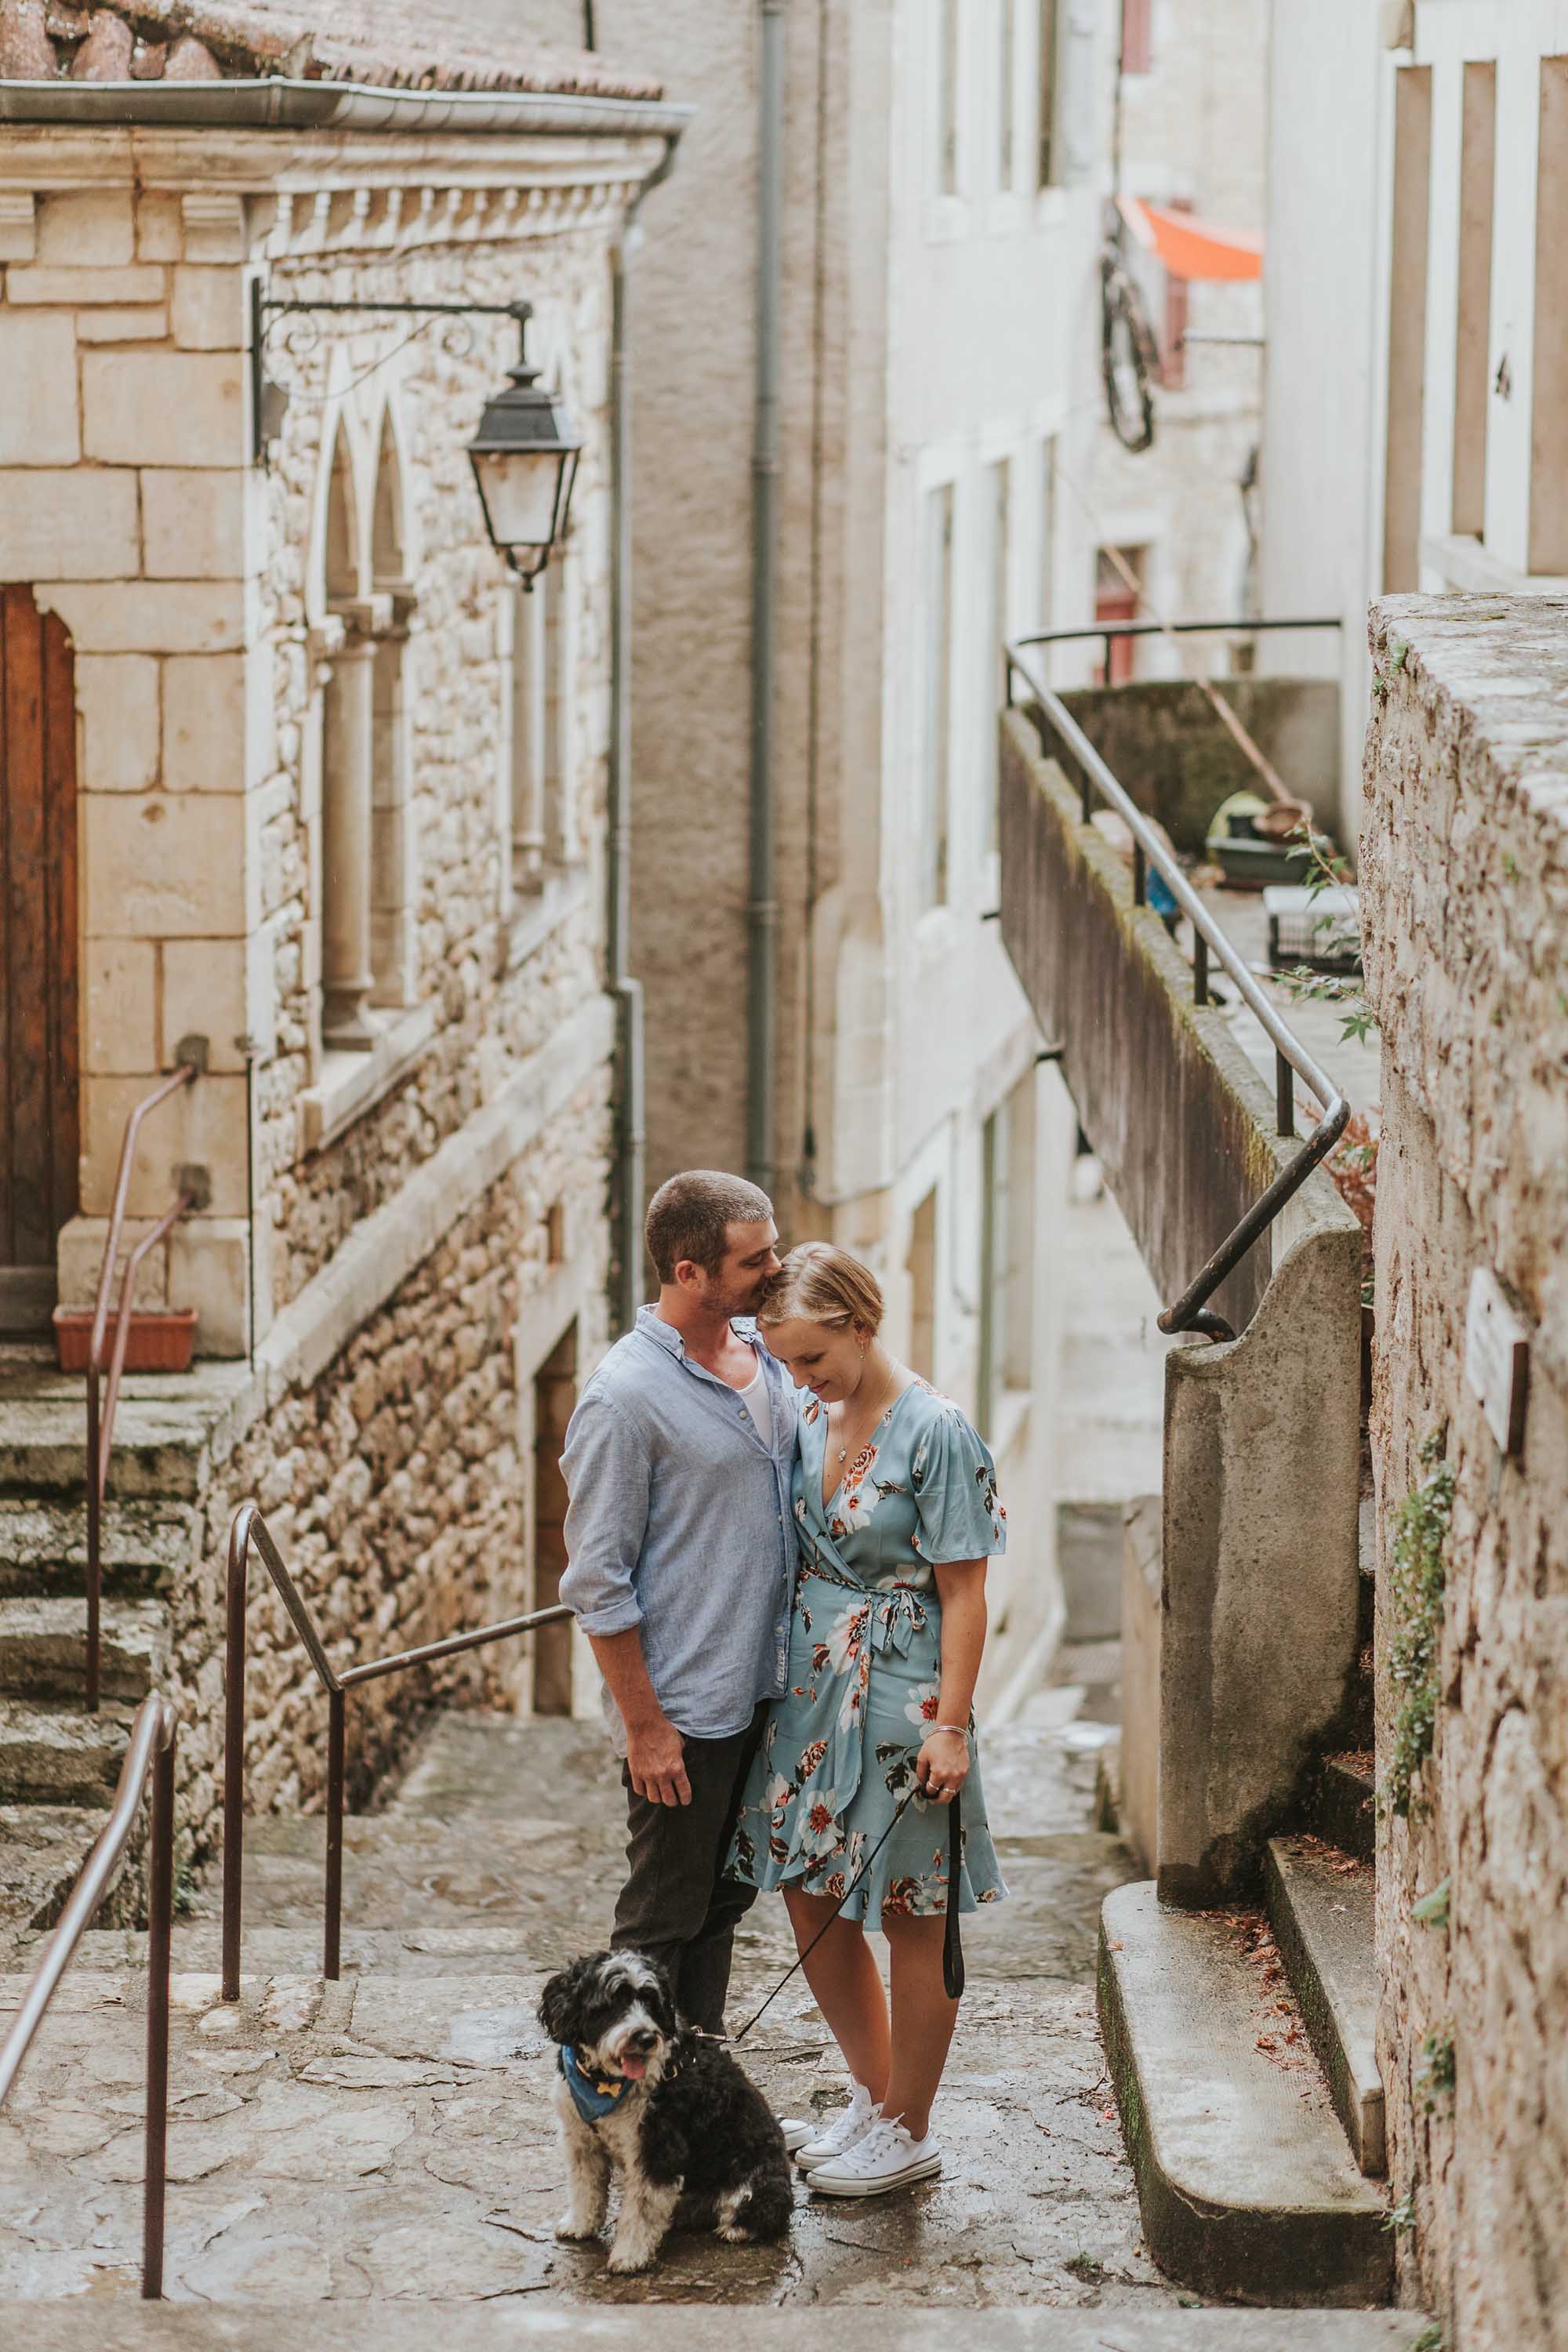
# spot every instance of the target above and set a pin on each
(1050, 207)
(539, 912)
(933, 932)
(1464, 563)
(352, 1084)
(1005, 213)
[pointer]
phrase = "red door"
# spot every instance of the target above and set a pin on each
(40, 1083)
(1115, 600)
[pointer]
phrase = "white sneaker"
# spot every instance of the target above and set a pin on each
(887, 2157)
(795, 2132)
(842, 2133)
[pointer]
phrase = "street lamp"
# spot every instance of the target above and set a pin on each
(524, 458)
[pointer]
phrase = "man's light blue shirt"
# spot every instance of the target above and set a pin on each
(681, 1522)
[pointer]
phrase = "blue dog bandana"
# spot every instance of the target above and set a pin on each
(591, 2100)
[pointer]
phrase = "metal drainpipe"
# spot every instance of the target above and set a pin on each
(762, 909)
(630, 1124)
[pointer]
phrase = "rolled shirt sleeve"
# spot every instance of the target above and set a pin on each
(605, 1466)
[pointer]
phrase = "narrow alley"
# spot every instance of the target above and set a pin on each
(389, 2137)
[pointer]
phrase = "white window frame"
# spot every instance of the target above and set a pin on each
(934, 869)
(948, 209)
(1009, 99)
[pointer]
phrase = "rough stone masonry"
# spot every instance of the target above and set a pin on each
(1464, 877)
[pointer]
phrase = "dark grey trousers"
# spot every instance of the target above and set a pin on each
(676, 1906)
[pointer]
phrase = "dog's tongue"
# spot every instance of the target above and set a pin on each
(635, 2068)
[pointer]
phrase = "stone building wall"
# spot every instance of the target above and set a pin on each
(397, 1485)
(1465, 883)
(488, 1006)
(426, 1219)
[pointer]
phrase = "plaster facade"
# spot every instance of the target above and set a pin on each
(1465, 882)
(936, 298)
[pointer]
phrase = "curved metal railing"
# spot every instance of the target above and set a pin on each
(192, 1062)
(247, 1528)
(1292, 1059)
(152, 1751)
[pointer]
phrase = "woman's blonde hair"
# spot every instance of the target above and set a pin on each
(823, 1285)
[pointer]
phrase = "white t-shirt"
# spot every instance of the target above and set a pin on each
(755, 1398)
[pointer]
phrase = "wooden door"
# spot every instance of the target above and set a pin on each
(554, 1395)
(39, 1079)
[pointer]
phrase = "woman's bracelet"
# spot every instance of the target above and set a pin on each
(962, 1728)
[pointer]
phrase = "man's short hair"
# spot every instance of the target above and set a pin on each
(692, 1215)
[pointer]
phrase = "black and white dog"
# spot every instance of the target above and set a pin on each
(670, 2111)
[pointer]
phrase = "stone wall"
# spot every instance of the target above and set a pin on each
(397, 1487)
(1464, 884)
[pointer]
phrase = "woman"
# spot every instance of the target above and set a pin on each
(896, 1510)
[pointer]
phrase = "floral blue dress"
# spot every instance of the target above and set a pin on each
(865, 1668)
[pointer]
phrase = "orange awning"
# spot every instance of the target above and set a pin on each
(1191, 247)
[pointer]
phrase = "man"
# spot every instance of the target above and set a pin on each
(680, 1544)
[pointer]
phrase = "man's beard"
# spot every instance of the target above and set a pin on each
(743, 1301)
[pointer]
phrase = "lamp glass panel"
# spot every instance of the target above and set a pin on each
(520, 494)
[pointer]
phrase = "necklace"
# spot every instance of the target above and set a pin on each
(844, 1449)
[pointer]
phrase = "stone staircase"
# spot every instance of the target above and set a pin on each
(349, 2160)
(1243, 2044)
(57, 1763)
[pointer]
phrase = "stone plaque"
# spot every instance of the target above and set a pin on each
(1497, 1358)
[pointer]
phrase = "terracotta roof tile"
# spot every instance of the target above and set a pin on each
(392, 44)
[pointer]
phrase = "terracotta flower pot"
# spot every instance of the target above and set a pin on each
(158, 1342)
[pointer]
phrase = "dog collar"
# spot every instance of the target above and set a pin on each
(592, 2098)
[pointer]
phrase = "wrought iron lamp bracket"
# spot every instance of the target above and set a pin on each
(268, 400)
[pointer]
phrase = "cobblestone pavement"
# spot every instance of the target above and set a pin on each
(388, 2136)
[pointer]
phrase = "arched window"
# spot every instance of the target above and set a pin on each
(347, 727)
(391, 854)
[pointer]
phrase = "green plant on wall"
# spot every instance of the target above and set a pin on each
(1328, 871)
(1421, 1527)
(1432, 2080)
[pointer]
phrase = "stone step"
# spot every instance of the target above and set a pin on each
(44, 1848)
(43, 1544)
(51, 1753)
(1321, 1902)
(164, 1426)
(43, 1647)
(1344, 1807)
(1245, 2184)
(80, 2324)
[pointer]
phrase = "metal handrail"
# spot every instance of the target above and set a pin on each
(192, 1059)
(1106, 630)
(1292, 1059)
(246, 1527)
(151, 1748)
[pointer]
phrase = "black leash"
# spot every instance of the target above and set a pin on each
(951, 1944)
